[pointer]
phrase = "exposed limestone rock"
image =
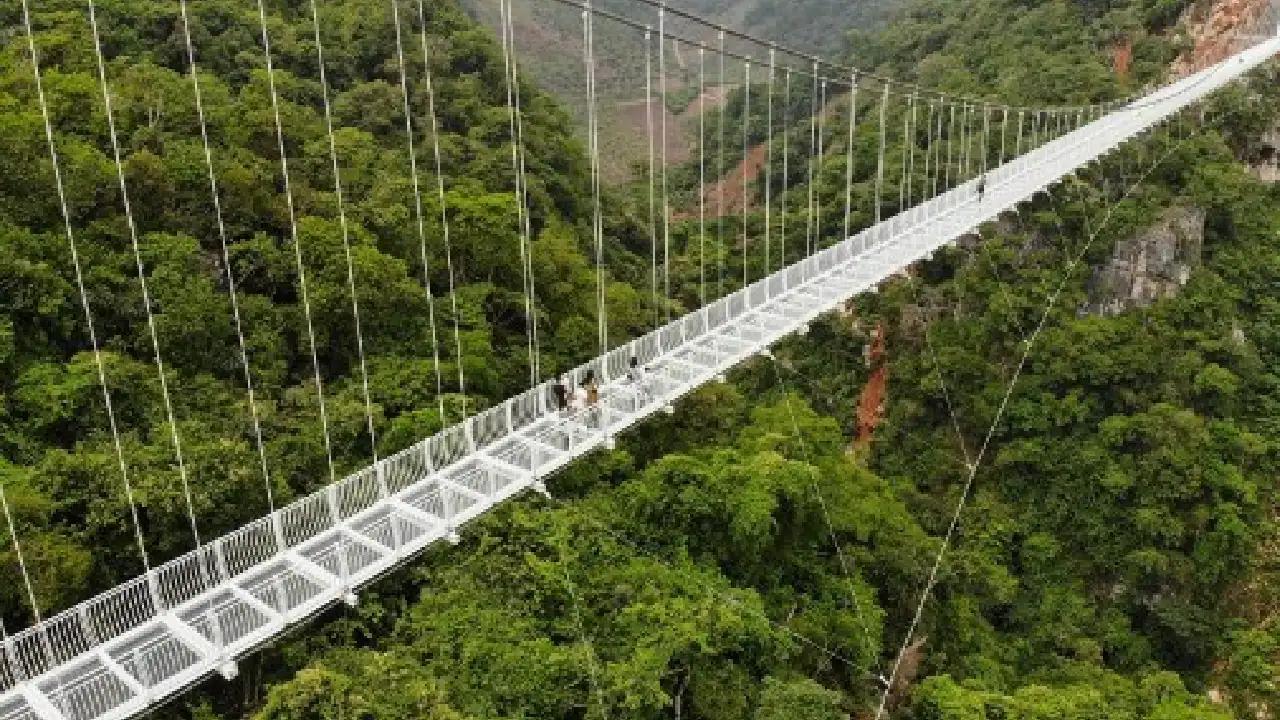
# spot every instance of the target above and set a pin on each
(1267, 164)
(1152, 265)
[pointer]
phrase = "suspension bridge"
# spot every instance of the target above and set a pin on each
(130, 649)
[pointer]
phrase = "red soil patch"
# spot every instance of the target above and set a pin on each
(872, 400)
(1123, 56)
(729, 191)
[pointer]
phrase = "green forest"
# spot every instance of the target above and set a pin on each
(743, 558)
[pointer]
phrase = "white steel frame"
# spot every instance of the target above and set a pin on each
(128, 649)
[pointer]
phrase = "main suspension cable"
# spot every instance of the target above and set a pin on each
(808, 58)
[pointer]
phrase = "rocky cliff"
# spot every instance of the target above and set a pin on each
(1151, 265)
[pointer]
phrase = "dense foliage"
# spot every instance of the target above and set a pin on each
(59, 462)
(739, 559)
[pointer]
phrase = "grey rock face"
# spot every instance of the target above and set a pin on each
(1153, 264)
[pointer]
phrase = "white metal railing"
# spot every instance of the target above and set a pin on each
(117, 653)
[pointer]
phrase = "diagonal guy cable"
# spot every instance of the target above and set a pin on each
(1029, 343)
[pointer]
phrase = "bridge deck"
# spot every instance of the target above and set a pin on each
(126, 650)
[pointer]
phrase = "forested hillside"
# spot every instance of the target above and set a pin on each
(742, 558)
(548, 38)
(56, 455)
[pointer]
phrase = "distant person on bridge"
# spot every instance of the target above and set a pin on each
(635, 376)
(982, 186)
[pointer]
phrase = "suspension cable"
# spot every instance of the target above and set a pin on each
(948, 181)
(840, 69)
(226, 259)
(1022, 122)
(702, 176)
(653, 200)
(1004, 131)
(589, 56)
(522, 178)
(817, 173)
(967, 130)
(768, 172)
(417, 208)
(813, 154)
(79, 276)
(848, 165)
(26, 578)
(142, 280)
(293, 233)
(939, 112)
(786, 169)
(522, 240)
(911, 152)
(593, 671)
(746, 156)
(903, 182)
(925, 192)
(346, 236)
(720, 177)
(444, 208)
(666, 203)
(1027, 345)
(986, 136)
(884, 109)
(841, 556)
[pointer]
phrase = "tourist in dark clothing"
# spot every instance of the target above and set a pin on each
(561, 391)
